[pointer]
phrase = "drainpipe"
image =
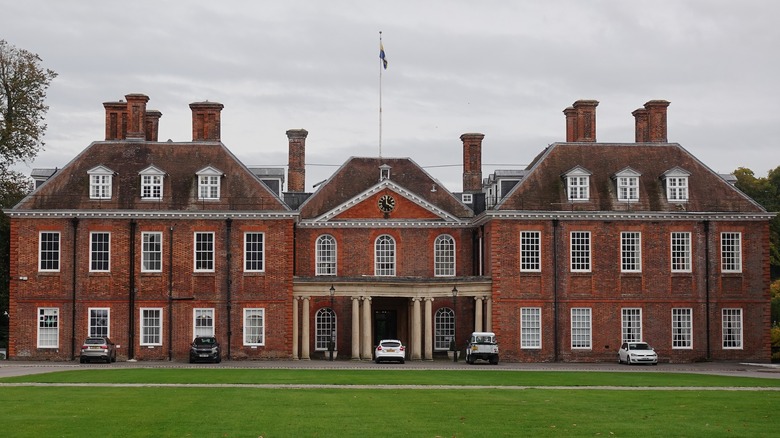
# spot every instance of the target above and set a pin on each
(555, 289)
(170, 293)
(131, 297)
(707, 283)
(229, 255)
(75, 223)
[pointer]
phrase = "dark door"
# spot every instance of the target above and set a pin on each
(385, 325)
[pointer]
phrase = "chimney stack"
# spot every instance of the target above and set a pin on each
(152, 124)
(656, 121)
(571, 123)
(116, 120)
(586, 120)
(206, 121)
(136, 109)
(472, 161)
(296, 160)
(641, 134)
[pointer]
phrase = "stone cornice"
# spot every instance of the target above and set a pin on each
(381, 223)
(143, 214)
(621, 216)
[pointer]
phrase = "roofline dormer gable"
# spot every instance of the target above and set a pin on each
(152, 170)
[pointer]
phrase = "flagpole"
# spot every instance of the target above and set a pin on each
(381, 65)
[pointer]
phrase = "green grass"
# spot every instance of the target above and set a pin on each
(391, 377)
(347, 412)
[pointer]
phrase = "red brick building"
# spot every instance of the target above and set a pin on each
(593, 244)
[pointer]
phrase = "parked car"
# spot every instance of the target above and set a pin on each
(98, 347)
(206, 349)
(637, 352)
(482, 345)
(390, 350)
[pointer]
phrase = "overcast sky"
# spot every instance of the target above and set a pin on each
(506, 69)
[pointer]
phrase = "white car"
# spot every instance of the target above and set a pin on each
(637, 352)
(390, 350)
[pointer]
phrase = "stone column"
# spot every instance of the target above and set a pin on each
(367, 345)
(295, 329)
(489, 311)
(416, 330)
(478, 314)
(355, 328)
(428, 329)
(305, 329)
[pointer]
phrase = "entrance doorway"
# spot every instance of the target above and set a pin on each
(385, 325)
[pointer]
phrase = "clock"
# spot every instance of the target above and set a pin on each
(386, 203)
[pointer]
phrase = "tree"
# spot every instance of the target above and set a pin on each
(23, 85)
(765, 191)
(13, 187)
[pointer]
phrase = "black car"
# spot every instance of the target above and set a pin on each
(206, 349)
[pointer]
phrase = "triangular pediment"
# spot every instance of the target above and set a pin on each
(386, 200)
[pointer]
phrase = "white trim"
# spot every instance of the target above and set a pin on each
(209, 311)
(213, 251)
(108, 321)
(262, 252)
(261, 312)
(142, 326)
(91, 251)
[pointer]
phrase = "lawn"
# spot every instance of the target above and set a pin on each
(344, 412)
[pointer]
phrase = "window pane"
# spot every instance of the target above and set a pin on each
(204, 251)
(254, 328)
(731, 252)
(632, 325)
(681, 252)
(580, 328)
(326, 255)
(580, 251)
(631, 251)
(531, 327)
(530, 251)
(98, 322)
(49, 257)
(682, 328)
(444, 256)
(99, 253)
(732, 328)
(444, 326)
(253, 252)
(325, 326)
(151, 252)
(151, 326)
(204, 322)
(384, 256)
(48, 328)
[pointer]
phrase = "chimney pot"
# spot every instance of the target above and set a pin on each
(472, 161)
(116, 120)
(640, 131)
(296, 160)
(152, 124)
(571, 123)
(586, 120)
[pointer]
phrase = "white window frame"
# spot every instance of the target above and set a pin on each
(630, 251)
(631, 324)
(580, 251)
(209, 184)
(199, 316)
(581, 328)
(151, 334)
(326, 255)
(444, 328)
(680, 251)
(682, 328)
(100, 182)
(149, 248)
(530, 251)
(531, 328)
(731, 252)
(203, 258)
(254, 257)
(99, 317)
(676, 181)
(152, 179)
(444, 256)
(732, 328)
(323, 328)
(98, 249)
(578, 188)
(628, 188)
(49, 251)
(254, 335)
(467, 198)
(384, 256)
(48, 327)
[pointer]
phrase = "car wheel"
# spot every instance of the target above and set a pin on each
(108, 359)
(219, 359)
(191, 360)
(620, 361)
(83, 359)
(494, 361)
(376, 360)
(402, 361)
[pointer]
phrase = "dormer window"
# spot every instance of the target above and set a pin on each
(384, 172)
(627, 185)
(152, 183)
(578, 184)
(208, 183)
(676, 181)
(100, 182)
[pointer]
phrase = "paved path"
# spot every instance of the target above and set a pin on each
(768, 371)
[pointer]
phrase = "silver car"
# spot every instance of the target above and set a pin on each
(390, 350)
(637, 352)
(98, 347)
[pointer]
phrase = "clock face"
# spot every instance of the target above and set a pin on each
(386, 203)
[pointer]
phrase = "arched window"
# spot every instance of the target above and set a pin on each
(384, 256)
(444, 323)
(326, 255)
(444, 256)
(325, 325)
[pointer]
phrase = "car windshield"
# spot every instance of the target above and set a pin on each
(639, 347)
(205, 341)
(484, 340)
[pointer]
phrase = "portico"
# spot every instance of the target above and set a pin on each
(388, 309)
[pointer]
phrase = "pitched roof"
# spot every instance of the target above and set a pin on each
(544, 187)
(357, 175)
(69, 188)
